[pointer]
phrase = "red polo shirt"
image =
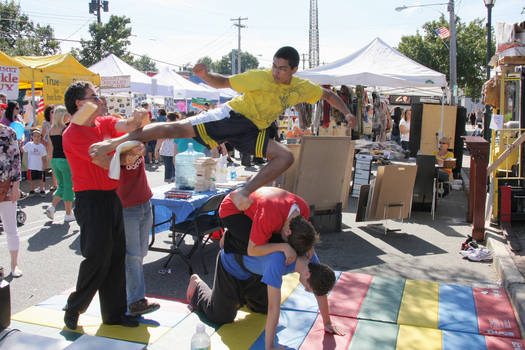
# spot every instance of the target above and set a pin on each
(76, 142)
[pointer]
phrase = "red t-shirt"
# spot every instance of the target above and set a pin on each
(76, 141)
(268, 211)
(133, 188)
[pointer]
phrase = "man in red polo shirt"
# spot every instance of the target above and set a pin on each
(98, 211)
(267, 225)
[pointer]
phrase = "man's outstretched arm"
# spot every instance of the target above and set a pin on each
(334, 100)
(177, 130)
(215, 80)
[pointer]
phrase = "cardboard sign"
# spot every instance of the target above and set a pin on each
(9, 79)
(115, 82)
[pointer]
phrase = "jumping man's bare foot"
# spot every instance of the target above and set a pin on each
(240, 199)
(192, 286)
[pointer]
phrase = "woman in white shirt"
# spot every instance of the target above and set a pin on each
(166, 149)
(404, 128)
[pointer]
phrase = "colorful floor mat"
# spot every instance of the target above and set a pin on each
(374, 312)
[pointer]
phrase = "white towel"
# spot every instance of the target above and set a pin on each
(114, 166)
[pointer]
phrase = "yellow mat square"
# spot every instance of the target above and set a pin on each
(144, 333)
(417, 338)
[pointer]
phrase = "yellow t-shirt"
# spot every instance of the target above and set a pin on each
(446, 156)
(262, 100)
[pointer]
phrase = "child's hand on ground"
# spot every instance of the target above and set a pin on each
(334, 329)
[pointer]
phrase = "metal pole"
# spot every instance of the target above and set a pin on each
(488, 114)
(239, 26)
(452, 51)
(239, 51)
(98, 12)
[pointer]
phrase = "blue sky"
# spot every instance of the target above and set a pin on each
(182, 31)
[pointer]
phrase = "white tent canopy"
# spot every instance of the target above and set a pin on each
(141, 83)
(379, 66)
(182, 87)
(224, 92)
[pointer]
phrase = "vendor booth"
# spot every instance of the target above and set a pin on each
(55, 73)
(183, 88)
(138, 82)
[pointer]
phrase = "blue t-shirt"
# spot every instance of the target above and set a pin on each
(271, 267)
(182, 145)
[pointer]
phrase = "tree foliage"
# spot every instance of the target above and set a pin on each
(109, 38)
(429, 50)
(19, 36)
(145, 64)
(224, 65)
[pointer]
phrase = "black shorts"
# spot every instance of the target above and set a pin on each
(238, 130)
(35, 175)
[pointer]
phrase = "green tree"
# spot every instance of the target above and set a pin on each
(224, 65)
(144, 64)
(109, 38)
(21, 37)
(206, 60)
(429, 50)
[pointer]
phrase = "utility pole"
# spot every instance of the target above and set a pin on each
(452, 52)
(313, 35)
(239, 26)
(94, 8)
(304, 60)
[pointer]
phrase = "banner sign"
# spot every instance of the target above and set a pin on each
(55, 85)
(10, 77)
(180, 106)
(198, 103)
(115, 82)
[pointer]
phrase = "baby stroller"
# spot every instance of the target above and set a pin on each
(20, 216)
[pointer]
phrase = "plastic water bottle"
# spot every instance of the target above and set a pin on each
(200, 340)
(233, 172)
(221, 172)
(185, 173)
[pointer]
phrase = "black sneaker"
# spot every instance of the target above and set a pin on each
(143, 306)
(32, 192)
(71, 319)
(125, 321)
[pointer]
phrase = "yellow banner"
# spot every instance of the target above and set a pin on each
(55, 86)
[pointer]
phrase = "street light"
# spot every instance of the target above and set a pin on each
(489, 4)
(404, 7)
(452, 49)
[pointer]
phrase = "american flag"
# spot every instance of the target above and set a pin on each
(40, 107)
(443, 32)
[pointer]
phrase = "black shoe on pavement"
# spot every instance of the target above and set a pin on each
(143, 306)
(71, 319)
(125, 321)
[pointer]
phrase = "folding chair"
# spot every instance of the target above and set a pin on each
(200, 224)
(425, 187)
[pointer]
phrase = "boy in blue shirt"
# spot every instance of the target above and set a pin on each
(256, 282)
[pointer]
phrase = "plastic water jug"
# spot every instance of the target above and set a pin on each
(185, 173)
(200, 340)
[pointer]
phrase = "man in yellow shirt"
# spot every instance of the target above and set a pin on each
(245, 121)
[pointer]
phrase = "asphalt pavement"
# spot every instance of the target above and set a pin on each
(423, 249)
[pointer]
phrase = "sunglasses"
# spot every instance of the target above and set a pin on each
(94, 97)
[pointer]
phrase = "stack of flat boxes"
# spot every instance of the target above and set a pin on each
(204, 167)
(363, 164)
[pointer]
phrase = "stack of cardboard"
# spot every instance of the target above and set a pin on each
(205, 166)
